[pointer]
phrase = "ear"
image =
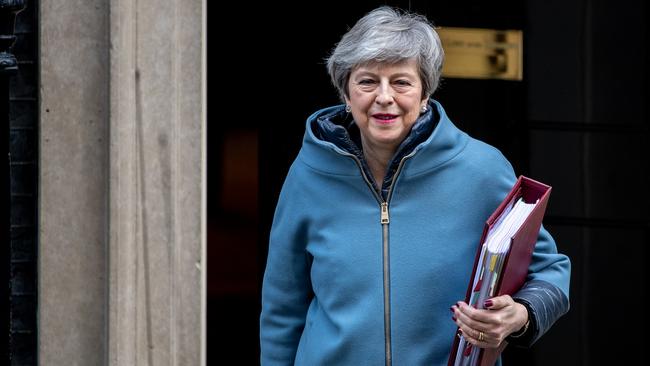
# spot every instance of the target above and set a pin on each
(425, 102)
(347, 99)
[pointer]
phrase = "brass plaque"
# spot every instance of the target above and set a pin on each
(474, 53)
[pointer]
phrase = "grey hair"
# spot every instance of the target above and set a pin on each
(388, 35)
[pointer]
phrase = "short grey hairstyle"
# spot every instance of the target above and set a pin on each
(388, 35)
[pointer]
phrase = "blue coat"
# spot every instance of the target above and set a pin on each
(341, 288)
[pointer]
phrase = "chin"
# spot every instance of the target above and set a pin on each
(387, 139)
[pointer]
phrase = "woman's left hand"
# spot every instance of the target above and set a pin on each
(487, 328)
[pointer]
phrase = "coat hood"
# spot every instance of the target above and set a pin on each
(444, 143)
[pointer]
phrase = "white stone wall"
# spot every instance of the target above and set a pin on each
(122, 182)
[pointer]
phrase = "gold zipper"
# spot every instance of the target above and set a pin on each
(384, 221)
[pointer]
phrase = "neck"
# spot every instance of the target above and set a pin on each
(378, 158)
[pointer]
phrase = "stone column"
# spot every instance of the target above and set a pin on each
(122, 212)
(73, 182)
(156, 160)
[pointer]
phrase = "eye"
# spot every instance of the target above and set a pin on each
(403, 82)
(366, 82)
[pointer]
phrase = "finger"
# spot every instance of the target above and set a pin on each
(462, 318)
(498, 302)
(476, 318)
(487, 321)
(477, 338)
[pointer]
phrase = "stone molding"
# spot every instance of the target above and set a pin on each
(73, 181)
(122, 207)
(157, 163)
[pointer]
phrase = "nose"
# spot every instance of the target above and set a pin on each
(384, 94)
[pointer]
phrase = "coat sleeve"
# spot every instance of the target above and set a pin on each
(545, 294)
(286, 290)
(546, 291)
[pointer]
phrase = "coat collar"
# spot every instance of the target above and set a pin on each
(441, 145)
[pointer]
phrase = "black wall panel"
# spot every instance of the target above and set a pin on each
(578, 121)
(22, 130)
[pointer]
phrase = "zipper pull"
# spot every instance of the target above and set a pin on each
(384, 213)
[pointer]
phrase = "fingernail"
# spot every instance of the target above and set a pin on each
(488, 303)
(452, 309)
(453, 318)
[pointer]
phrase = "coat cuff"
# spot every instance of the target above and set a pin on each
(545, 304)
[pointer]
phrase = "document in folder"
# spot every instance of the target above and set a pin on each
(502, 259)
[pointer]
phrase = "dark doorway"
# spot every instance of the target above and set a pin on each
(5, 215)
(18, 191)
(578, 121)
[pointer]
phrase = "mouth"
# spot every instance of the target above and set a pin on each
(384, 118)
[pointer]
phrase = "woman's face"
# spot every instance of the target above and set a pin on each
(386, 99)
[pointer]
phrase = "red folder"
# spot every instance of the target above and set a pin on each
(515, 267)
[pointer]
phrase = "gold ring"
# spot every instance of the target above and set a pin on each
(481, 336)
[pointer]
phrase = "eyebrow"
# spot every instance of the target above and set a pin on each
(399, 74)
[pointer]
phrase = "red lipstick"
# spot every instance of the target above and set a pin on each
(384, 118)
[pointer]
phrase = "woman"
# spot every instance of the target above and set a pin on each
(376, 228)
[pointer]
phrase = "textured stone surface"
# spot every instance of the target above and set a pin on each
(125, 171)
(156, 173)
(73, 182)
(156, 154)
